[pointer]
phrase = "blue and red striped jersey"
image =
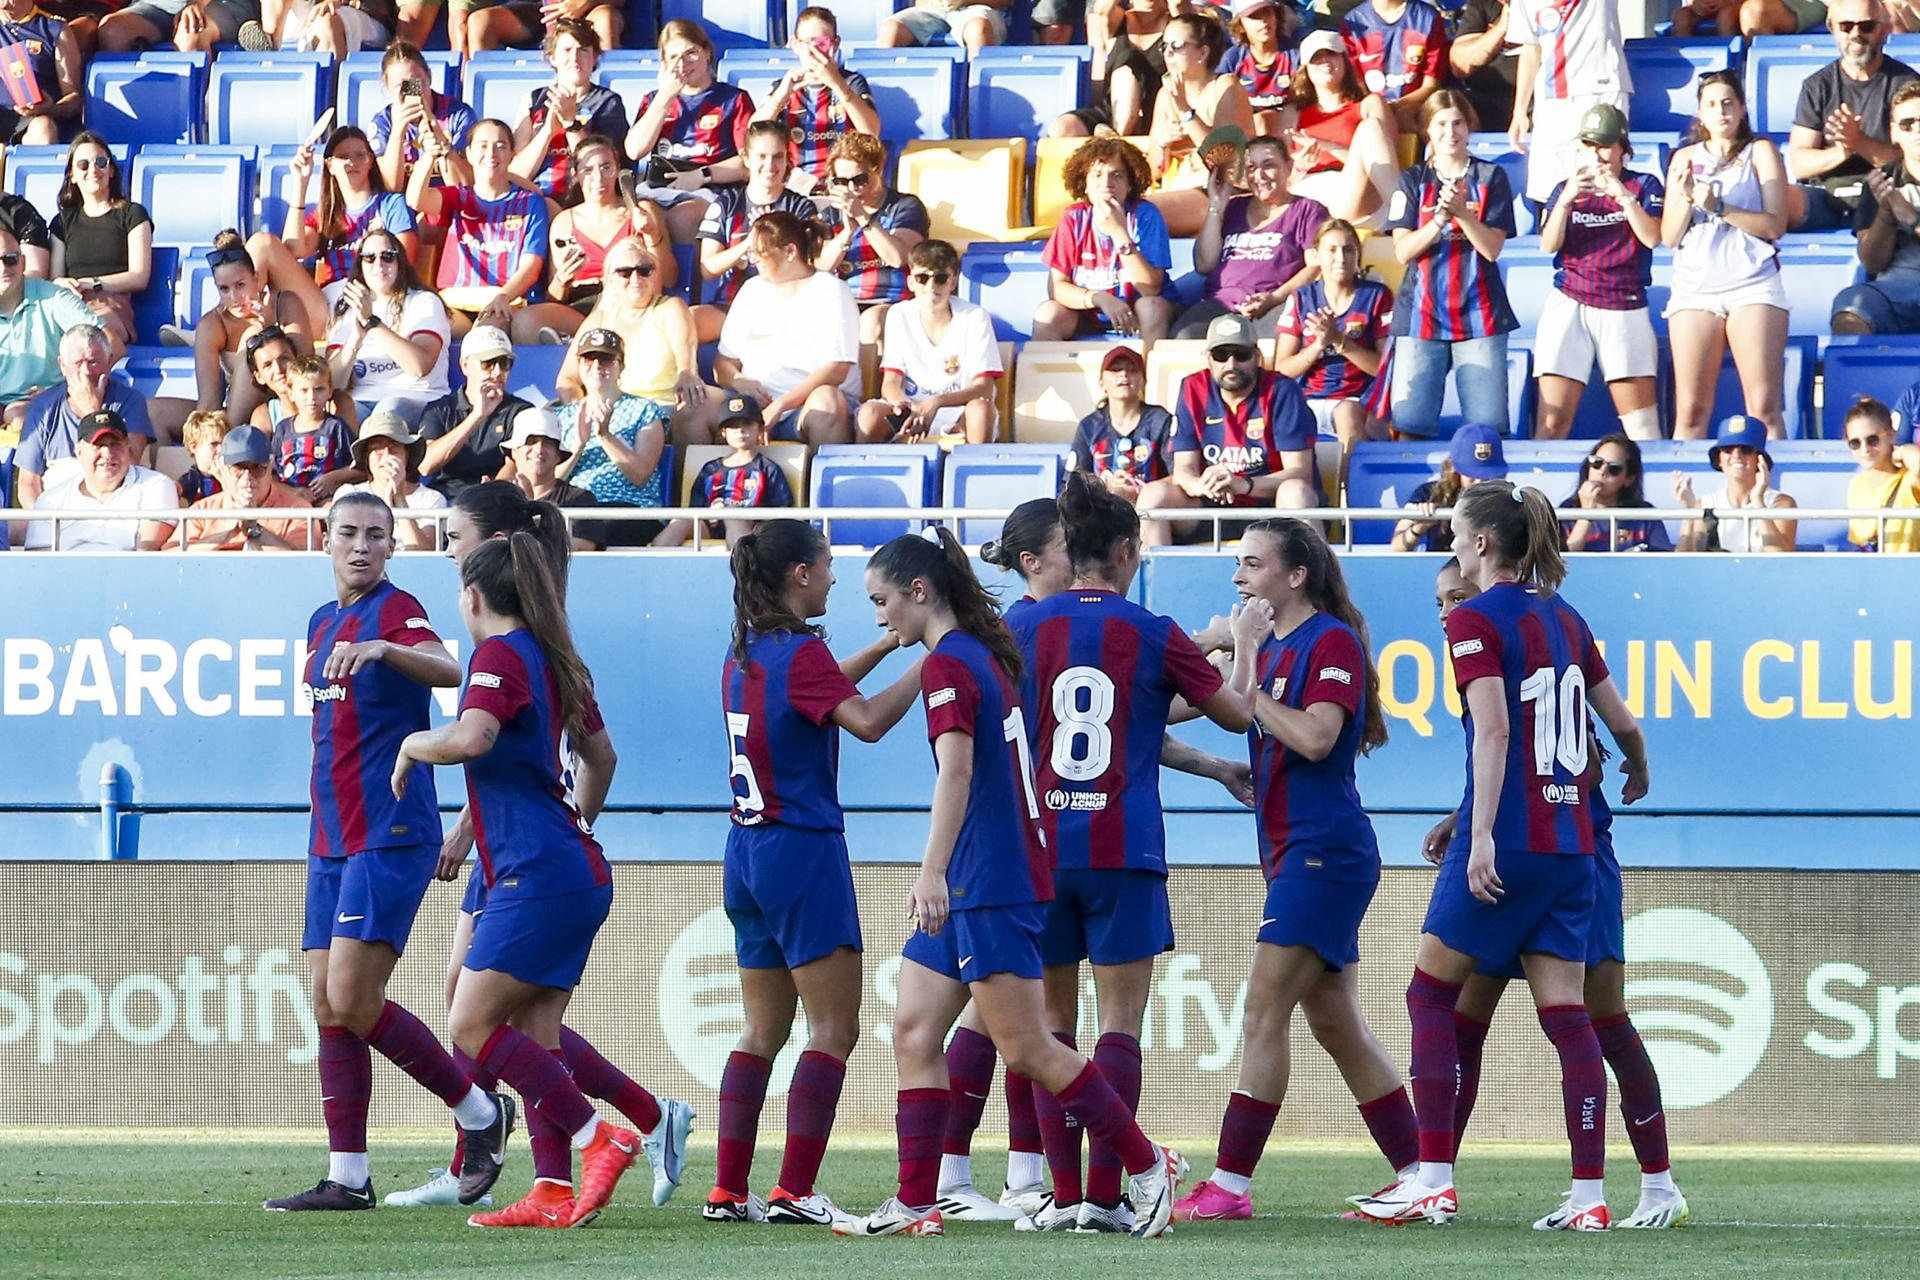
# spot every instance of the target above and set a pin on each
(1450, 292)
(358, 724)
(1367, 319)
(784, 745)
(301, 457)
(1542, 651)
(1088, 258)
(814, 117)
(600, 111)
(758, 482)
(1308, 812)
(730, 214)
(1000, 857)
(532, 841)
(1266, 86)
(1395, 58)
(862, 267)
(1017, 610)
(1248, 437)
(487, 239)
(1602, 263)
(1143, 454)
(703, 128)
(384, 210)
(1101, 674)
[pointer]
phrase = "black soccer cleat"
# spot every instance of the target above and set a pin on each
(485, 1151)
(328, 1195)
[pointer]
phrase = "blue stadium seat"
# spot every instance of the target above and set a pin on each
(1010, 281)
(273, 173)
(1014, 92)
(1528, 275)
(159, 371)
(1000, 477)
(916, 90)
(1651, 152)
(1881, 367)
(1664, 72)
(260, 99)
(756, 70)
(1812, 274)
(192, 193)
(154, 305)
(631, 73)
(859, 23)
(500, 82)
(536, 369)
(359, 95)
(194, 293)
(37, 173)
(1184, 283)
(733, 24)
(1776, 68)
(894, 475)
(148, 97)
(687, 258)
(1497, 148)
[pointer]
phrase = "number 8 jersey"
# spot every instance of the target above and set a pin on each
(1101, 675)
(784, 746)
(1542, 651)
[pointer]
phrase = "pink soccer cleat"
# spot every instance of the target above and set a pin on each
(1208, 1202)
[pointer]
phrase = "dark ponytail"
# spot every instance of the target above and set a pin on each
(1302, 547)
(500, 507)
(944, 566)
(1028, 530)
(762, 562)
(1522, 527)
(514, 575)
(1098, 523)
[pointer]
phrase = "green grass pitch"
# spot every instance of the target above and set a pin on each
(158, 1206)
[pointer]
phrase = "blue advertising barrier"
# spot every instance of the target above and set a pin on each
(151, 705)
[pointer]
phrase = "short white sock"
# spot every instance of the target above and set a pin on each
(585, 1135)
(348, 1168)
(1661, 1181)
(1232, 1183)
(1411, 1171)
(1434, 1174)
(1588, 1191)
(955, 1171)
(1026, 1168)
(475, 1111)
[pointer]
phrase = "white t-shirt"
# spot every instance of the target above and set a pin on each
(965, 352)
(376, 376)
(782, 338)
(142, 490)
(1582, 53)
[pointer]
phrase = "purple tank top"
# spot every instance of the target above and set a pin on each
(1256, 260)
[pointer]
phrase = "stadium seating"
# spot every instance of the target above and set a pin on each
(155, 305)
(917, 91)
(37, 173)
(1882, 367)
(194, 292)
(973, 190)
(1015, 92)
(273, 188)
(755, 70)
(193, 193)
(1010, 281)
(994, 477)
(790, 456)
(1055, 385)
(359, 94)
(858, 23)
(732, 23)
(894, 475)
(1168, 364)
(500, 82)
(1664, 72)
(631, 73)
(160, 371)
(1812, 274)
(148, 97)
(1497, 148)
(1776, 68)
(256, 99)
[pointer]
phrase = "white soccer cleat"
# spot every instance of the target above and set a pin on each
(440, 1191)
(1409, 1201)
(1028, 1200)
(964, 1204)
(1153, 1192)
(1658, 1213)
(892, 1219)
(1587, 1217)
(1100, 1220)
(803, 1211)
(721, 1207)
(666, 1148)
(1050, 1217)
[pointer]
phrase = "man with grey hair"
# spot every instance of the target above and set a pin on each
(1840, 125)
(51, 431)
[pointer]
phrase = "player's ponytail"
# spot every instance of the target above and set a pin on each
(514, 576)
(1521, 526)
(1028, 530)
(1302, 547)
(1098, 523)
(937, 558)
(499, 508)
(763, 564)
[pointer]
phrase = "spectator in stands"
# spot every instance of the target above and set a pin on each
(1757, 17)
(1450, 219)
(791, 342)
(1128, 66)
(1726, 205)
(314, 440)
(1263, 57)
(1840, 124)
(30, 229)
(46, 110)
(1889, 476)
(688, 134)
(1614, 477)
(1601, 226)
(1125, 441)
(107, 479)
(743, 477)
(466, 432)
(566, 111)
(34, 316)
(388, 452)
(266, 357)
(819, 101)
(598, 217)
(102, 241)
(1739, 452)
(870, 232)
(1473, 455)
(1109, 257)
(940, 364)
(522, 24)
(1243, 437)
(1344, 155)
(974, 24)
(1399, 49)
(725, 260)
(535, 447)
(615, 440)
(495, 251)
(1332, 336)
(1054, 20)
(50, 431)
(246, 468)
(657, 328)
(354, 200)
(202, 435)
(1485, 67)
(1194, 100)
(1572, 58)
(138, 27)
(388, 345)
(338, 27)
(415, 107)
(1887, 229)
(1254, 247)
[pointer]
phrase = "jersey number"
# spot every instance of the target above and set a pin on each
(1559, 719)
(1082, 743)
(751, 802)
(1015, 729)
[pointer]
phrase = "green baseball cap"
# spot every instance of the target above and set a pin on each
(1604, 125)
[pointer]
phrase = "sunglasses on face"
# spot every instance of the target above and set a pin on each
(1864, 442)
(84, 163)
(1177, 46)
(643, 270)
(497, 364)
(380, 255)
(1864, 27)
(598, 357)
(1231, 355)
(932, 277)
(10, 260)
(848, 180)
(1598, 463)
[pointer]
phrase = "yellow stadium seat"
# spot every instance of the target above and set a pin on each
(1057, 384)
(973, 190)
(1050, 198)
(697, 456)
(1170, 361)
(1376, 255)
(791, 455)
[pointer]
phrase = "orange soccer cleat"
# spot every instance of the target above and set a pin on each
(549, 1204)
(609, 1155)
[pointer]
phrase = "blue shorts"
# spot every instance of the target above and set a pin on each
(1319, 914)
(543, 941)
(1607, 927)
(787, 426)
(1545, 910)
(1112, 916)
(789, 893)
(474, 901)
(371, 896)
(979, 942)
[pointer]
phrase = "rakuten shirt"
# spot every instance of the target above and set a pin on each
(142, 490)
(781, 335)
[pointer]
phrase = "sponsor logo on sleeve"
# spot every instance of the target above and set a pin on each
(486, 679)
(1341, 675)
(939, 698)
(1467, 648)
(419, 624)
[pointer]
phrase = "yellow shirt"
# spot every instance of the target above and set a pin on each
(1884, 489)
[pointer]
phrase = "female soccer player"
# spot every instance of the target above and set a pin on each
(548, 886)
(498, 509)
(373, 657)
(1661, 1204)
(1317, 710)
(976, 899)
(1517, 882)
(789, 886)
